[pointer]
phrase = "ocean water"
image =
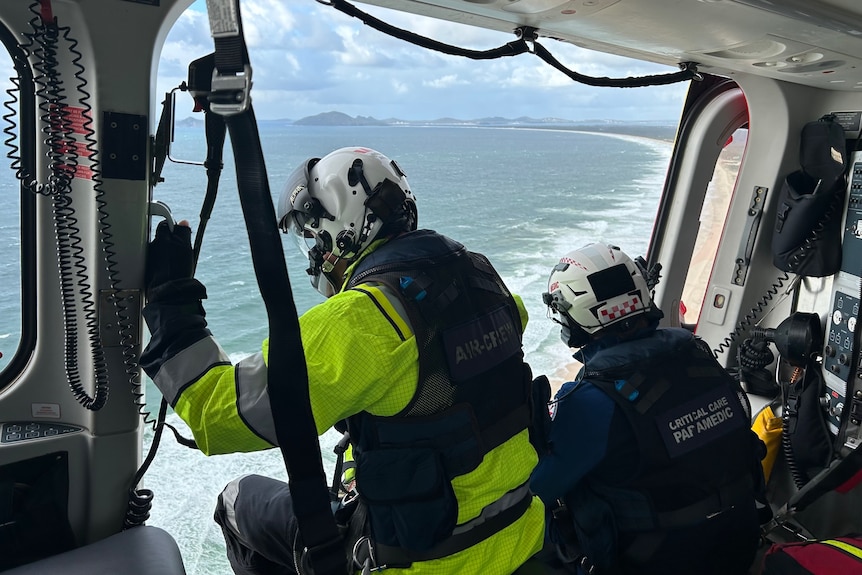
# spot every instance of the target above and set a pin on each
(522, 197)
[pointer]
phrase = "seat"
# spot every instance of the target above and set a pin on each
(141, 550)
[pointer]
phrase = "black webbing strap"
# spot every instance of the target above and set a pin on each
(734, 493)
(397, 556)
(506, 427)
(287, 376)
(646, 543)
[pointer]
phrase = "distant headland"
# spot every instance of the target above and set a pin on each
(657, 130)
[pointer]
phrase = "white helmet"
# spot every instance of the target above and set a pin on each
(343, 201)
(593, 288)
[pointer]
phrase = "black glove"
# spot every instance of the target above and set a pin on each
(170, 266)
(173, 312)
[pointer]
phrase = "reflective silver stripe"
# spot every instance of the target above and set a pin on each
(188, 366)
(393, 300)
(228, 498)
(252, 397)
(493, 509)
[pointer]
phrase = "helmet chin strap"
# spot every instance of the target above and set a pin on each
(329, 262)
(326, 285)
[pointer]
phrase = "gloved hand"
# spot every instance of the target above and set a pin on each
(170, 265)
(173, 312)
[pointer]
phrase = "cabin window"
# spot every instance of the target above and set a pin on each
(711, 221)
(17, 218)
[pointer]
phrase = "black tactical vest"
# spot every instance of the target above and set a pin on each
(697, 451)
(694, 439)
(472, 394)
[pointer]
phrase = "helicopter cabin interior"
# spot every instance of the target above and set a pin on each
(87, 133)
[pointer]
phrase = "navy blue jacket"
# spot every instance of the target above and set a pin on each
(593, 444)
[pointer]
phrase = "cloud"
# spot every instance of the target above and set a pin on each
(309, 58)
(443, 82)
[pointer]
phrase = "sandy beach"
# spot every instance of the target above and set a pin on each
(712, 221)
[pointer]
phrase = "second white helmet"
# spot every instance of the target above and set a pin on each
(593, 288)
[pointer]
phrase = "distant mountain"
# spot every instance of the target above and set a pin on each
(338, 119)
(649, 129)
(341, 119)
(658, 130)
(189, 122)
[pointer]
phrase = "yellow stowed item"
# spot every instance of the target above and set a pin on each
(768, 427)
(348, 466)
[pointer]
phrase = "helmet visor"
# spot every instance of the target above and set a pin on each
(296, 202)
(298, 209)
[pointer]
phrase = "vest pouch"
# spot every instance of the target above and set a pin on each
(540, 422)
(595, 527)
(806, 239)
(410, 500)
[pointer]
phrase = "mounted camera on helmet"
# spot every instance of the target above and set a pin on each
(337, 205)
(594, 288)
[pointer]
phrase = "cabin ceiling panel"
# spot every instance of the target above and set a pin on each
(803, 41)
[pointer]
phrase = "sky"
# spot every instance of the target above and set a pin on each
(308, 58)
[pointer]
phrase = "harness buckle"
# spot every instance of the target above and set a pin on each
(587, 566)
(230, 93)
(364, 556)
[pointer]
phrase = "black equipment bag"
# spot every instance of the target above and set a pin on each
(806, 239)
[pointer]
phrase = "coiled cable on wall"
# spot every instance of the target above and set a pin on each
(64, 153)
(755, 312)
(753, 355)
(62, 150)
(141, 500)
(790, 460)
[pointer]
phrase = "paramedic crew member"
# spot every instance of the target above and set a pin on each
(651, 452)
(417, 347)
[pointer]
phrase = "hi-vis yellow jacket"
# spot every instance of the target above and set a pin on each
(361, 355)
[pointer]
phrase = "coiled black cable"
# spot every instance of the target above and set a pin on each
(753, 355)
(78, 300)
(141, 500)
(748, 320)
(63, 152)
(14, 153)
(787, 411)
